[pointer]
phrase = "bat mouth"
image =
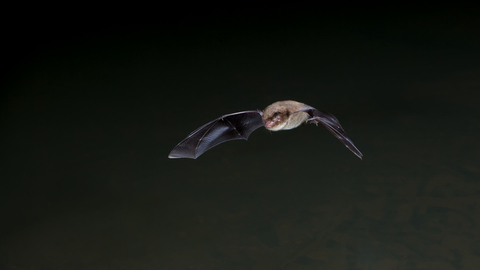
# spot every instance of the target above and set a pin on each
(269, 124)
(274, 125)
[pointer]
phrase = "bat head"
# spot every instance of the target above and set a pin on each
(275, 116)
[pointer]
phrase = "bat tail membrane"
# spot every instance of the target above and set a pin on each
(233, 126)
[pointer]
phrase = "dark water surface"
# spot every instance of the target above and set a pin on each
(87, 125)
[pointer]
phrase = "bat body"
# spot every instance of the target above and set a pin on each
(281, 115)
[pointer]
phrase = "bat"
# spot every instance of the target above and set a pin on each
(281, 115)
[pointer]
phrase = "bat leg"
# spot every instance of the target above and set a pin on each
(312, 121)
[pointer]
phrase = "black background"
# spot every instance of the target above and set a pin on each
(93, 101)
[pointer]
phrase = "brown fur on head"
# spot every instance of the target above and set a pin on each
(283, 115)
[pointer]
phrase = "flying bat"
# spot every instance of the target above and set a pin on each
(281, 115)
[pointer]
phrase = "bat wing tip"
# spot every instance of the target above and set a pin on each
(172, 155)
(175, 156)
(359, 155)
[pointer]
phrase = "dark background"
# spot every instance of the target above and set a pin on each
(92, 103)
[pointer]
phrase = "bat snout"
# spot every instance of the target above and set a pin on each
(269, 124)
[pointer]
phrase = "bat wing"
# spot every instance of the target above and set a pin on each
(233, 126)
(332, 124)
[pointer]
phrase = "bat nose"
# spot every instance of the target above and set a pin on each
(269, 124)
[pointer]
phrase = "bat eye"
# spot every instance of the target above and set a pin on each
(276, 113)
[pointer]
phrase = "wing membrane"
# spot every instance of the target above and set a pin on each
(333, 125)
(233, 126)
